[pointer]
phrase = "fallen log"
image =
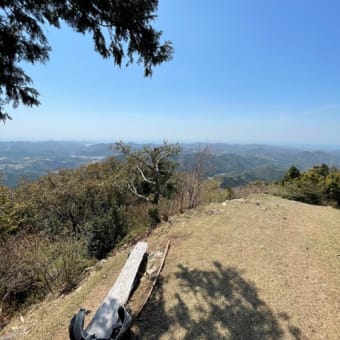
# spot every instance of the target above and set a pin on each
(111, 319)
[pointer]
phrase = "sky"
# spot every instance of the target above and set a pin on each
(243, 71)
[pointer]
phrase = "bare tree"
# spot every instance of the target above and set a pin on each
(150, 170)
(194, 180)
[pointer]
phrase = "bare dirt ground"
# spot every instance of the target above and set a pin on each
(257, 268)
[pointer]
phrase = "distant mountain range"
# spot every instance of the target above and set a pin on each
(237, 164)
(233, 164)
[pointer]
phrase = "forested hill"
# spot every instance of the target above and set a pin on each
(236, 164)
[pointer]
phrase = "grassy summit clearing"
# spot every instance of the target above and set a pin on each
(257, 268)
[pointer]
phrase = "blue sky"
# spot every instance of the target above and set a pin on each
(244, 71)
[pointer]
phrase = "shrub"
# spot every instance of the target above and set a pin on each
(212, 192)
(332, 185)
(293, 172)
(8, 219)
(31, 266)
(104, 232)
(169, 207)
(319, 185)
(154, 216)
(137, 216)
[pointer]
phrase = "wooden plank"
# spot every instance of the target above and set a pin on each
(106, 316)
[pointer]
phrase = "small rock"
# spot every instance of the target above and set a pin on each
(88, 270)
(151, 272)
(157, 254)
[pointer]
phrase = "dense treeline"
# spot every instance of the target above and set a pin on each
(319, 185)
(50, 228)
(54, 227)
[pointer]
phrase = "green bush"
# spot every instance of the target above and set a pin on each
(332, 185)
(154, 216)
(293, 172)
(319, 185)
(8, 219)
(104, 232)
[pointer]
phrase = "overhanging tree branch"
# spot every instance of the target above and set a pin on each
(22, 38)
(143, 176)
(134, 191)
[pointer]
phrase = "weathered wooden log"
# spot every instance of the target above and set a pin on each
(111, 315)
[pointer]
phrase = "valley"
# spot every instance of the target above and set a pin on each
(232, 164)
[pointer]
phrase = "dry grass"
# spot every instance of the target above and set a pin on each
(257, 268)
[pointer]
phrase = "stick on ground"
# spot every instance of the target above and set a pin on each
(154, 281)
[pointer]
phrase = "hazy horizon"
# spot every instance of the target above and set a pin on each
(308, 147)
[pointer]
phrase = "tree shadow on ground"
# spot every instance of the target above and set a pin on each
(214, 304)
